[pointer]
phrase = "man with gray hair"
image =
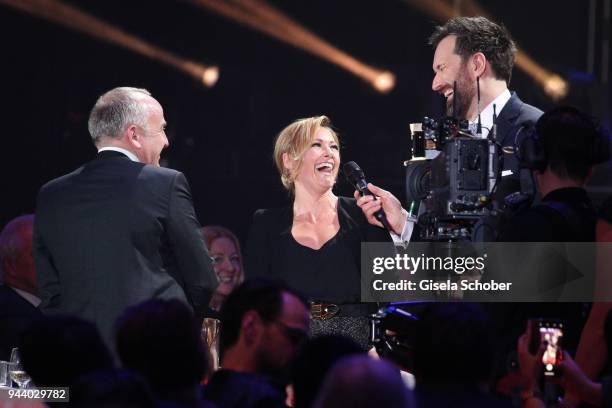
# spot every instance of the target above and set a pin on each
(18, 287)
(120, 229)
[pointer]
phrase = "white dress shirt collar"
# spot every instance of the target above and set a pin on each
(486, 115)
(129, 154)
(33, 299)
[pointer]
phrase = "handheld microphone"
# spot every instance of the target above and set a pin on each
(355, 176)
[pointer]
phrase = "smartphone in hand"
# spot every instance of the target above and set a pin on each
(548, 332)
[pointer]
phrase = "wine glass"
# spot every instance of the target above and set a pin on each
(210, 337)
(16, 371)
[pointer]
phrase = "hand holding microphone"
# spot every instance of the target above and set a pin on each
(380, 207)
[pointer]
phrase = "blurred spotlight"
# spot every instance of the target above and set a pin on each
(556, 87)
(210, 76)
(384, 82)
(68, 16)
(259, 15)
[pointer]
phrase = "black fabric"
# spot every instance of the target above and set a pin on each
(233, 389)
(16, 314)
(457, 398)
(331, 273)
(564, 215)
(114, 233)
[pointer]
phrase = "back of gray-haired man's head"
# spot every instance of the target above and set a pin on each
(115, 110)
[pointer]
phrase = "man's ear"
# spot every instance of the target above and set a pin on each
(251, 327)
(132, 137)
(478, 64)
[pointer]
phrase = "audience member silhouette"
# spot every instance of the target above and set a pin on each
(57, 350)
(112, 388)
(18, 286)
(312, 363)
(454, 357)
(160, 339)
(364, 382)
(262, 325)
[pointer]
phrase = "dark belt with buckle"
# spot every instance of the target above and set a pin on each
(323, 311)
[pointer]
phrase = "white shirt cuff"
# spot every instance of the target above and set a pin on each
(402, 240)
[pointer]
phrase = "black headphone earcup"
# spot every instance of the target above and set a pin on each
(532, 154)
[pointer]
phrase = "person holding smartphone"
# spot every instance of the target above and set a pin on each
(569, 376)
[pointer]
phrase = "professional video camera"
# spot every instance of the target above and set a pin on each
(456, 185)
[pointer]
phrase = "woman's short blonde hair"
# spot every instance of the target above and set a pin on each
(294, 140)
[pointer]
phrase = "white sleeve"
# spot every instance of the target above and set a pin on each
(404, 239)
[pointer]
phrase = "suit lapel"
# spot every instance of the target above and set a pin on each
(507, 118)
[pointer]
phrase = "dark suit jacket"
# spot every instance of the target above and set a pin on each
(515, 115)
(233, 389)
(114, 233)
(16, 314)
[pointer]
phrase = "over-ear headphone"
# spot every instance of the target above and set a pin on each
(532, 154)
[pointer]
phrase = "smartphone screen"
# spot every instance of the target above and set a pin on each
(551, 334)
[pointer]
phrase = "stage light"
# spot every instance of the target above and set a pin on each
(68, 16)
(384, 82)
(260, 16)
(556, 87)
(210, 76)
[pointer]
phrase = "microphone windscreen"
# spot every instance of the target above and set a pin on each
(352, 171)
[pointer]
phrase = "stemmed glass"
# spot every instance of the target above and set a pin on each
(16, 371)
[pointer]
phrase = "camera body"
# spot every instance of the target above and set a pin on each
(452, 172)
(393, 332)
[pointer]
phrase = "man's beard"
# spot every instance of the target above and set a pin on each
(466, 92)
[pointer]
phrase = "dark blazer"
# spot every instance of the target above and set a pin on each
(16, 314)
(114, 233)
(515, 115)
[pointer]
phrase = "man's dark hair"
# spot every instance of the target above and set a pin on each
(261, 295)
(478, 34)
(312, 363)
(57, 350)
(569, 138)
(160, 339)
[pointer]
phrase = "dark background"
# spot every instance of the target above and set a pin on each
(222, 137)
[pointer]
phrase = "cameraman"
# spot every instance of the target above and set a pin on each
(564, 150)
(561, 152)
